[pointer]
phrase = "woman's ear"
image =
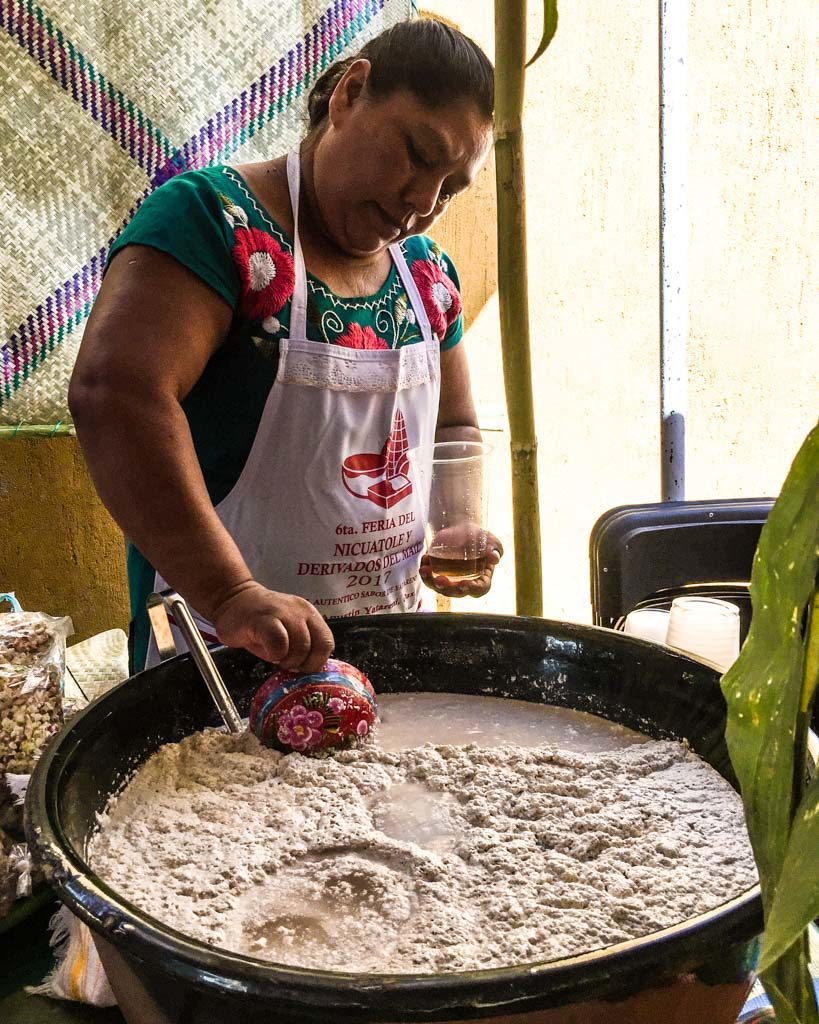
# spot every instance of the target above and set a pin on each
(348, 91)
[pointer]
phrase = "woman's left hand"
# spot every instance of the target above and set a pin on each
(465, 588)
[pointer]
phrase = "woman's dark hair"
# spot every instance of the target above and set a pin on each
(436, 63)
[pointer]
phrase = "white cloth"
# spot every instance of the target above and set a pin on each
(78, 973)
(333, 499)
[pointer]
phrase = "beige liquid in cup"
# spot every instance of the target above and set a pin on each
(456, 565)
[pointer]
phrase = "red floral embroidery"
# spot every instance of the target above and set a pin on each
(360, 337)
(267, 273)
(439, 295)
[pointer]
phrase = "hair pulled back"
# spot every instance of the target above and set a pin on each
(436, 63)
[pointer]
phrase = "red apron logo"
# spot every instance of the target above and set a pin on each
(381, 477)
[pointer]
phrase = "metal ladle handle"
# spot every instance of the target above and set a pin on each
(159, 604)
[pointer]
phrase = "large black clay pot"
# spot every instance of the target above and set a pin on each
(698, 971)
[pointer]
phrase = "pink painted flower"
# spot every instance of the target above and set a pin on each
(362, 728)
(439, 295)
(336, 705)
(299, 728)
(267, 273)
(361, 337)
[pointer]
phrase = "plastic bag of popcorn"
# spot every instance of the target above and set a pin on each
(32, 665)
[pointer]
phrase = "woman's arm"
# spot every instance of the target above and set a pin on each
(458, 421)
(151, 332)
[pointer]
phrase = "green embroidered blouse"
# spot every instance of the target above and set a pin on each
(211, 222)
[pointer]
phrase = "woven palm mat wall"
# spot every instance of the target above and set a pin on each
(100, 102)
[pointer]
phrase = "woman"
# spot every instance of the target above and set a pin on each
(276, 346)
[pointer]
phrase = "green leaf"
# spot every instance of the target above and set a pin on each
(796, 902)
(549, 29)
(764, 687)
(769, 691)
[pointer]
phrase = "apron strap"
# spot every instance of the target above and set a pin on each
(413, 294)
(298, 303)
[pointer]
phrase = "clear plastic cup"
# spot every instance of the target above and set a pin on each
(648, 624)
(456, 524)
(706, 628)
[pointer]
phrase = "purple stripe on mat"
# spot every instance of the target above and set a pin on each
(63, 62)
(225, 126)
(135, 133)
(34, 337)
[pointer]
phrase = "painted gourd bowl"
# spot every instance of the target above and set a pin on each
(313, 714)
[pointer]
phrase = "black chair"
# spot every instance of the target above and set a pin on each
(646, 555)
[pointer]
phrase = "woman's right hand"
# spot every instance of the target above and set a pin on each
(280, 628)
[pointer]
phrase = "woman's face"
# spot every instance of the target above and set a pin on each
(387, 168)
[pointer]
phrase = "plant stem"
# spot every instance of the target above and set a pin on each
(788, 985)
(510, 60)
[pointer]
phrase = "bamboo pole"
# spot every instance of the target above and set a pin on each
(510, 64)
(36, 430)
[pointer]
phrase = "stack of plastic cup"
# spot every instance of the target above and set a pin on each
(705, 628)
(648, 624)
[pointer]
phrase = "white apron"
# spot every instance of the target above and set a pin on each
(333, 499)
